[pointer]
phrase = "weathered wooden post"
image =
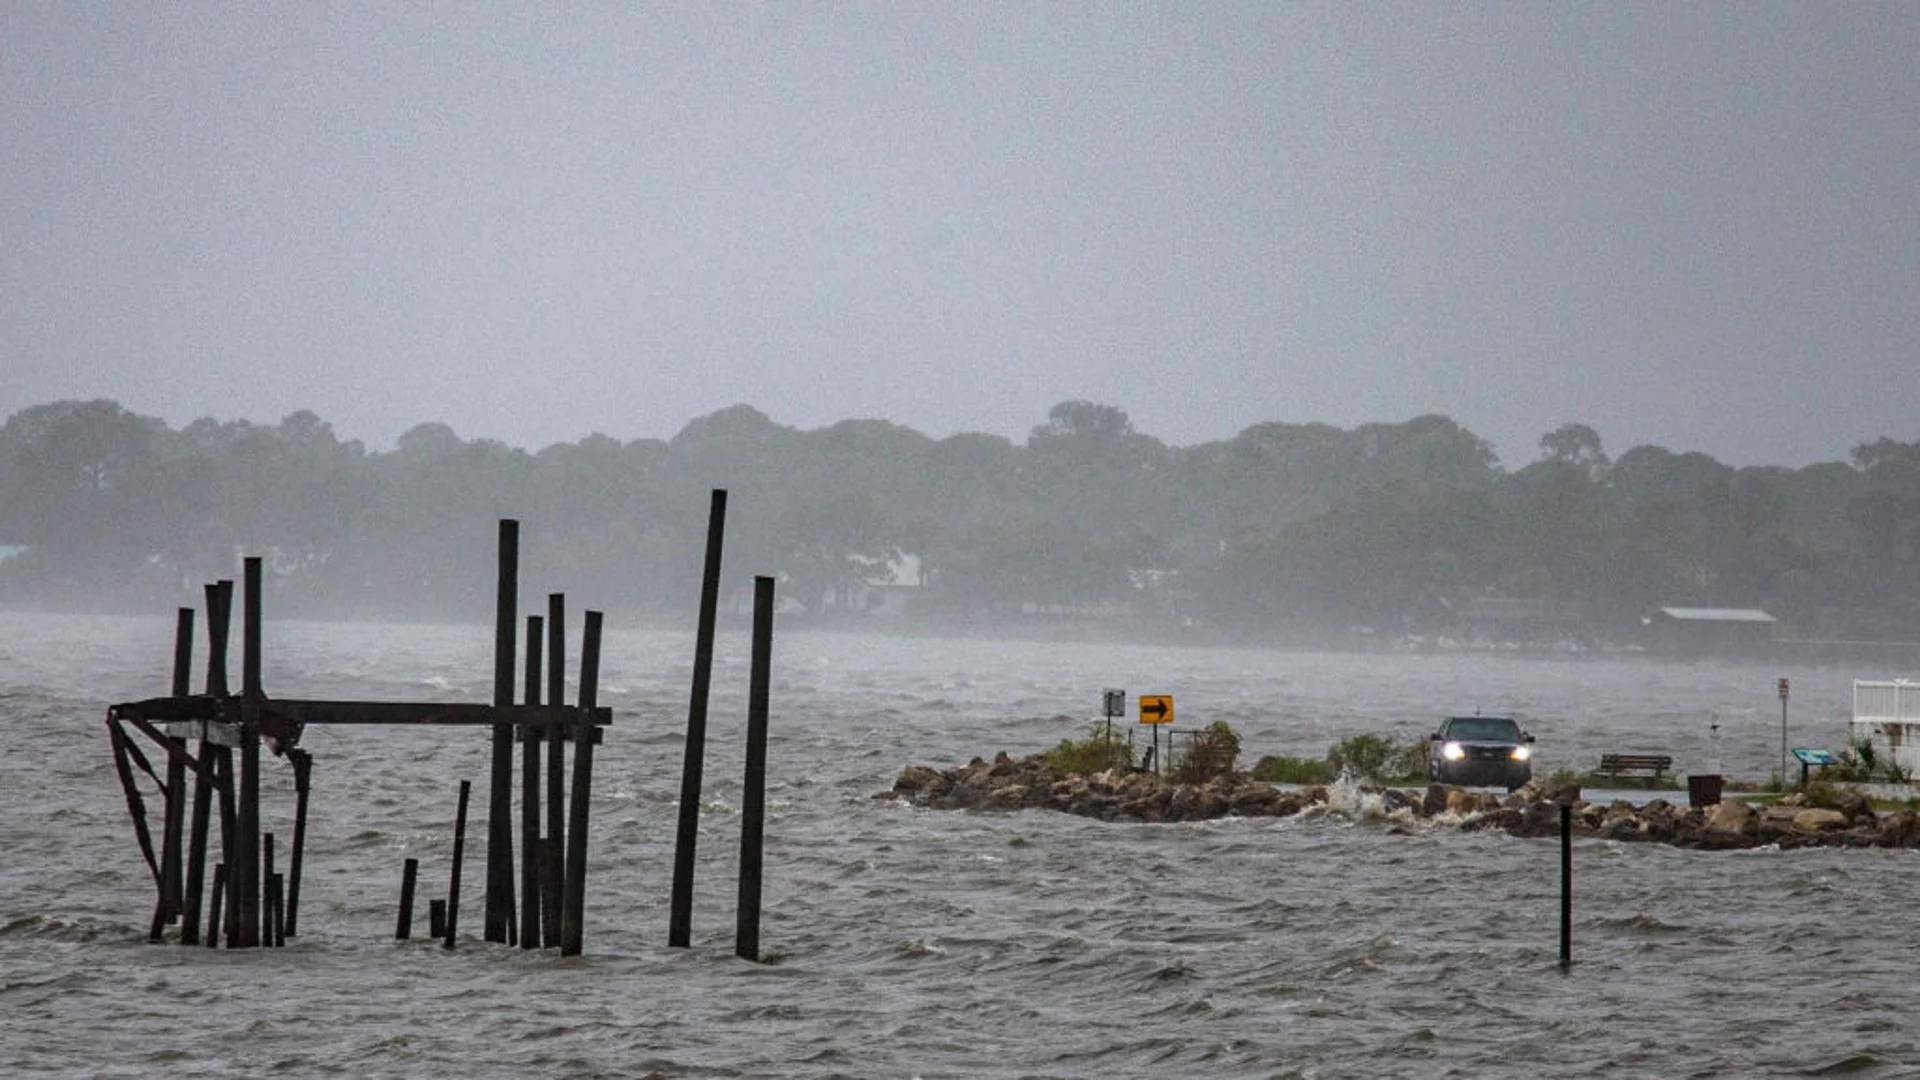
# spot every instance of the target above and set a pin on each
(573, 901)
(245, 880)
(680, 916)
(215, 912)
(302, 784)
(753, 795)
(555, 848)
(459, 851)
(409, 871)
(500, 797)
(436, 918)
(530, 740)
(171, 890)
(269, 895)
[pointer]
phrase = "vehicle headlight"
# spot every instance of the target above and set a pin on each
(1522, 753)
(1453, 751)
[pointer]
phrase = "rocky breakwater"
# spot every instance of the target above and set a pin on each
(1007, 783)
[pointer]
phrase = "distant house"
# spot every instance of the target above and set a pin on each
(1690, 632)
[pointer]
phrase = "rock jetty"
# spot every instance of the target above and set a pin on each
(1007, 783)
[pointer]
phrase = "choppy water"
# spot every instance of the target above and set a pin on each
(905, 942)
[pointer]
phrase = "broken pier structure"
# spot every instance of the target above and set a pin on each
(215, 738)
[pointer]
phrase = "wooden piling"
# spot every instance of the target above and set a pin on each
(409, 872)
(1566, 885)
(500, 795)
(197, 848)
(530, 746)
(277, 909)
(269, 920)
(552, 886)
(459, 851)
(302, 783)
(219, 621)
(573, 899)
(243, 878)
(437, 918)
(171, 885)
(753, 796)
(680, 909)
(216, 905)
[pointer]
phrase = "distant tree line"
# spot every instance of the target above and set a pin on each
(1285, 531)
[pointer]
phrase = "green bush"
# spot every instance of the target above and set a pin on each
(1210, 753)
(1291, 770)
(1101, 750)
(1378, 757)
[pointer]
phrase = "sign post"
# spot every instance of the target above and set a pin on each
(1157, 709)
(1783, 734)
(1116, 705)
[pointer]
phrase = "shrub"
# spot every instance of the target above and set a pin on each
(1291, 770)
(1377, 757)
(1210, 753)
(1101, 750)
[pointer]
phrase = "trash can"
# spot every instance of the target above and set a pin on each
(1703, 790)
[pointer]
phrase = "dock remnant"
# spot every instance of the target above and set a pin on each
(254, 905)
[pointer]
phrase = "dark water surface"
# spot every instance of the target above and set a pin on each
(906, 942)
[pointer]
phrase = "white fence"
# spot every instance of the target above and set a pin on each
(1887, 714)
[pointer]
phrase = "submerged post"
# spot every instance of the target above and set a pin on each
(1566, 885)
(409, 871)
(500, 794)
(680, 917)
(555, 848)
(530, 739)
(573, 899)
(753, 795)
(459, 850)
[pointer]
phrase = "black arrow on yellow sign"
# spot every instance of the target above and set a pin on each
(1156, 708)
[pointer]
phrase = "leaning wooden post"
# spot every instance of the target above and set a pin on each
(244, 873)
(215, 909)
(500, 795)
(555, 846)
(530, 740)
(573, 902)
(403, 926)
(302, 784)
(680, 915)
(171, 899)
(753, 795)
(202, 795)
(459, 852)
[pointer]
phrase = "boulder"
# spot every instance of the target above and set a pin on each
(1461, 803)
(1819, 820)
(1732, 818)
(1435, 800)
(921, 780)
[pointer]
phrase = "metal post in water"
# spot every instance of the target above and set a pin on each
(1566, 885)
(753, 795)
(680, 917)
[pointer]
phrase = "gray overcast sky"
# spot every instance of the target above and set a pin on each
(1690, 225)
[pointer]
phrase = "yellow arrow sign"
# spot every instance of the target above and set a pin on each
(1156, 708)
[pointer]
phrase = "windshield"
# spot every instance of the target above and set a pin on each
(1483, 729)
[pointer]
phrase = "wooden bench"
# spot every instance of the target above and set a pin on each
(1615, 764)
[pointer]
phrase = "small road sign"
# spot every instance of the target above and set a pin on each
(1156, 708)
(1116, 703)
